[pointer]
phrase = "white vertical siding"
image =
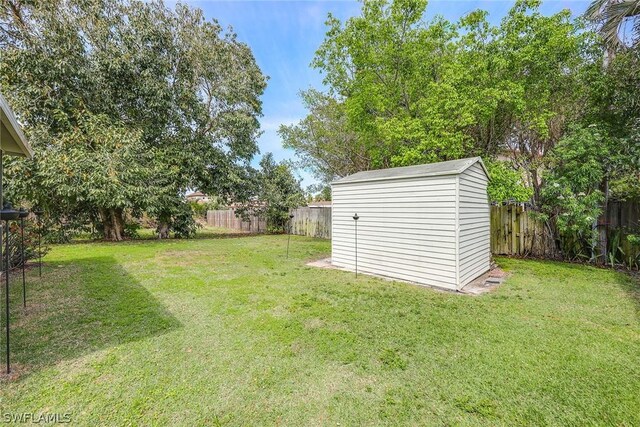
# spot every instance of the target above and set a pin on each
(474, 214)
(407, 228)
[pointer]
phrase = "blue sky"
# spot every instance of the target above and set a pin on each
(284, 36)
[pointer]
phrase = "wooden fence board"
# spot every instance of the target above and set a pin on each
(514, 228)
(228, 219)
(312, 222)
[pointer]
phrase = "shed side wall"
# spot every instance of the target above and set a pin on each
(406, 228)
(474, 214)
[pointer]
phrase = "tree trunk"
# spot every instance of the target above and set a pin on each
(163, 226)
(118, 220)
(603, 226)
(105, 219)
(535, 183)
(112, 224)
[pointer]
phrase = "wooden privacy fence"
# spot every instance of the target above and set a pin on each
(312, 222)
(623, 219)
(228, 219)
(516, 231)
(514, 228)
(623, 215)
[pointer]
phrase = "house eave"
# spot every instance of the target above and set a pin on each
(12, 139)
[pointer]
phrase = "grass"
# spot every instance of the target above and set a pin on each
(226, 331)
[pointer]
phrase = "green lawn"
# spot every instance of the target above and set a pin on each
(227, 331)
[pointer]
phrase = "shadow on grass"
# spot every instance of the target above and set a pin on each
(78, 307)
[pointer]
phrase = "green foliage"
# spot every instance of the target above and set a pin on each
(97, 163)
(273, 192)
(625, 179)
(132, 229)
(632, 258)
(183, 224)
(402, 103)
(127, 104)
(215, 203)
(324, 194)
(572, 197)
(199, 209)
(31, 248)
(576, 213)
(405, 91)
(506, 183)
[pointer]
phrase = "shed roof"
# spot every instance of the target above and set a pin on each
(12, 140)
(451, 167)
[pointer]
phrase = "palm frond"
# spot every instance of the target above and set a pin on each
(612, 14)
(596, 9)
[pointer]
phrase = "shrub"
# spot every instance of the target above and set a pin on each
(30, 243)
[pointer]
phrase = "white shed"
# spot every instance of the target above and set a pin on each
(427, 224)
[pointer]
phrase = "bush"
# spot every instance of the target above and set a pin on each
(131, 229)
(571, 197)
(182, 223)
(30, 243)
(199, 209)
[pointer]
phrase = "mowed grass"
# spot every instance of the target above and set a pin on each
(227, 331)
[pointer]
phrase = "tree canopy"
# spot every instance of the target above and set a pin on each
(127, 104)
(551, 103)
(403, 91)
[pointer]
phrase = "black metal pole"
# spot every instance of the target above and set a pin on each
(24, 281)
(7, 214)
(6, 290)
(39, 249)
(355, 219)
(289, 236)
(2, 258)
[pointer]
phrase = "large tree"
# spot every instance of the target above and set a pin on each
(323, 141)
(403, 91)
(394, 75)
(545, 60)
(126, 76)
